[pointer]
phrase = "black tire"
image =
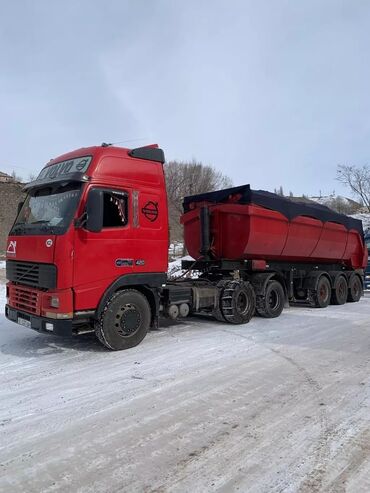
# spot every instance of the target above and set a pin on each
(272, 303)
(321, 296)
(238, 302)
(217, 313)
(125, 320)
(340, 292)
(355, 288)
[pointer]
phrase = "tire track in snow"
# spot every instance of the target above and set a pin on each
(313, 481)
(359, 456)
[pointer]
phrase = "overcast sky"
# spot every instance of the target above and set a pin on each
(269, 92)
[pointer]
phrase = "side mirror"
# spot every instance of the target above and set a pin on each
(19, 208)
(94, 210)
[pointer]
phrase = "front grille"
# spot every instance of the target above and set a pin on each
(32, 274)
(24, 299)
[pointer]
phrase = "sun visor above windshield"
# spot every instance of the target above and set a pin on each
(69, 170)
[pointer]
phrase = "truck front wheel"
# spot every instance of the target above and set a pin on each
(124, 321)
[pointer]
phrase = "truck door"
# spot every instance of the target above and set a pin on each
(134, 239)
(101, 257)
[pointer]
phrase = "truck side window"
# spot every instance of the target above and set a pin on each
(115, 209)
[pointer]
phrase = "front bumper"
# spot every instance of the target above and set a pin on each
(40, 324)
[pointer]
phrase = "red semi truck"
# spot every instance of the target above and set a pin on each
(88, 250)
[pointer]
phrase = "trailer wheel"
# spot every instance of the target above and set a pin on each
(238, 302)
(354, 289)
(272, 303)
(340, 292)
(125, 320)
(321, 296)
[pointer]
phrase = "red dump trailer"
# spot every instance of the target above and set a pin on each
(89, 247)
(297, 250)
(248, 224)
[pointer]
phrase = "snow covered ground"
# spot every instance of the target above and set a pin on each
(275, 405)
(175, 271)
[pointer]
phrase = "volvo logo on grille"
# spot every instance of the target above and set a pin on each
(49, 242)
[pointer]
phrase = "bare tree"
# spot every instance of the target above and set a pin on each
(357, 179)
(183, 178)
(279, 191)
(16, 178)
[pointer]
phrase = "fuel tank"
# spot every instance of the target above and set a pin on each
(254, 224)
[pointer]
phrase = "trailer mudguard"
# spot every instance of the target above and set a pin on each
(312, 279)
(334, 277)
(259, 281)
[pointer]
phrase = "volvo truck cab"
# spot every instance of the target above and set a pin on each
(95, 220)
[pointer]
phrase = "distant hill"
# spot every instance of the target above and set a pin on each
(337, 203)
(343, 205)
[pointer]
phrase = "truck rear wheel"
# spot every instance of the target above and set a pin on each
(340, 292)
(238, 302)
(125, 320)
(321, 296)
(271, 304)
(217, 313)
(354, 289)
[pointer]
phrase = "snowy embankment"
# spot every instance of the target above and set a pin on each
(175, 271)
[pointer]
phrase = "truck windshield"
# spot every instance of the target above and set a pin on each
(48, 210)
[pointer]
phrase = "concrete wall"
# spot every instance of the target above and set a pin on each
(10, 195)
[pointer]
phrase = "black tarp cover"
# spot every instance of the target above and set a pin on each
(289, 208)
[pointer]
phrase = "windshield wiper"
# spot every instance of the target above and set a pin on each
(19, 226)
(44, 225)
(48, 228)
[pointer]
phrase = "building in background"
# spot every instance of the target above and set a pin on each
(5, 178)
(10, 195)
